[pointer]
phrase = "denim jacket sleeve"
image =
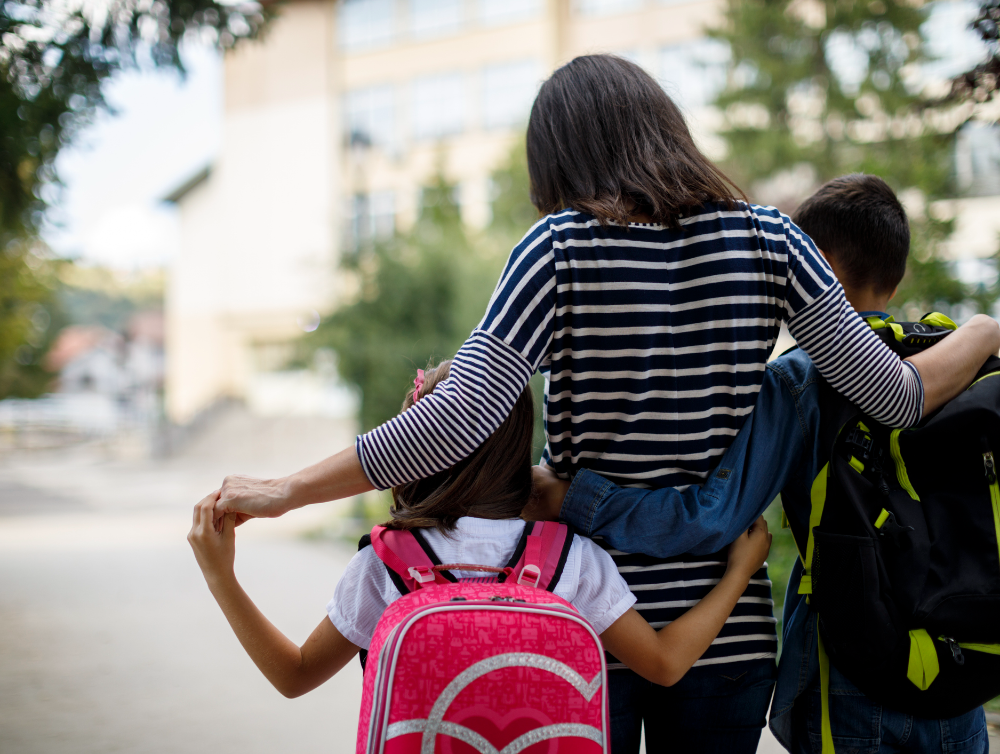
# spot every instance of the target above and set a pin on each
(702, 518)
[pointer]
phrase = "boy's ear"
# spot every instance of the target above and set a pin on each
(893, 294)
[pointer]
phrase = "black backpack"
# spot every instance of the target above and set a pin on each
(901, 559)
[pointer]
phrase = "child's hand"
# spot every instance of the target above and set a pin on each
(548, 492)
(214, 550)
(748, 553)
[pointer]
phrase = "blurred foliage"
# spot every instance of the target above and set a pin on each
(54, 58)
(420, 293)
(29, 319)
(822, 88)
(781, 558)
(99, 296)
(980, 84)
(419, 296)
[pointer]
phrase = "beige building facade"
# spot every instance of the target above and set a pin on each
(336, 118)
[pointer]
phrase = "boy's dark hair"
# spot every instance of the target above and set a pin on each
(859, 223)
(605, 139)
(493, 482)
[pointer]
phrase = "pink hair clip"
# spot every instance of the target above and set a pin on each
(418, 385)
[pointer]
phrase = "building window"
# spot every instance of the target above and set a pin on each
(432, 18)
(366, 23)
(496, 12)
(694, 73)
(508, 92)
(371, 217)
(606, 7)
(370, 117)
(977, 159)
(438, 106)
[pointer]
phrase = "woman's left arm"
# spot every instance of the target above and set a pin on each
(851, 357)
(292, 670)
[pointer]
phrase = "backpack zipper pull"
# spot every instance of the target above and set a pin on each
(956, 650)
(990, 466)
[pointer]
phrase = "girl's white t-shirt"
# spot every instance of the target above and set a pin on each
(590, 581)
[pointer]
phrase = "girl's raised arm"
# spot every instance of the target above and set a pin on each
(664, 656)
(292, 670)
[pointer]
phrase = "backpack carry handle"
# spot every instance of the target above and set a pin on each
(538, 559)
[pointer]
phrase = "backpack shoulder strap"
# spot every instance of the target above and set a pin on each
(408, 558)
(540, 556)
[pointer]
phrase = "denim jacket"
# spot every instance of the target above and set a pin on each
(775, 449)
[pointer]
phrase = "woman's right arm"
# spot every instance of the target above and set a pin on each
(487, 375)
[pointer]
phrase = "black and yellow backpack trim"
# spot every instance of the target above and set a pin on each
(901, 557)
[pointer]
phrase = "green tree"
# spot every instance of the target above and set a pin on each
(825, 88)
(29, 319)
(981, 82)
(54, 58)
(419, 294)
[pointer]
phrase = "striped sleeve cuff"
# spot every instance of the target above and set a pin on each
(855, 361)
(487, 376)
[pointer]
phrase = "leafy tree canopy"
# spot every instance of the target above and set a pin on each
(419, 295)
(54, 57)
(821, 88)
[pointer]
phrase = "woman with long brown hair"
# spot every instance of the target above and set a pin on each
(650, 295)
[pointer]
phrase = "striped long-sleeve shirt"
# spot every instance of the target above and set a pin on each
(653, 342)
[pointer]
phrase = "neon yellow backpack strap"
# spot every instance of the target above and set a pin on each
(937, 319)
(897, 457)
(826, 732)
(923, 666)
(817, 498)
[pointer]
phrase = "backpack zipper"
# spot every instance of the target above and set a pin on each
(989, 466)
(956, 648)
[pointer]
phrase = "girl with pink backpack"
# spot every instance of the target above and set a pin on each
(478, 627)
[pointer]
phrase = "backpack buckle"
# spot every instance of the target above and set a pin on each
(530, 571)
(862, 441)
(421, 574)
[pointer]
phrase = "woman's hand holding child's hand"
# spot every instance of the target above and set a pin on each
(748, 553)
(214, 550)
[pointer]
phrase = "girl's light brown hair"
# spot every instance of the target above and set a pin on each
(493, 482)
(605, 139)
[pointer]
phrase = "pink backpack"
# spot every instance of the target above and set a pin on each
(494, 664)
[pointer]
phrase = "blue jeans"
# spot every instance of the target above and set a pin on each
(711, 710)
(862, 727)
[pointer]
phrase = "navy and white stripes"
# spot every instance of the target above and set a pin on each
(653, 342)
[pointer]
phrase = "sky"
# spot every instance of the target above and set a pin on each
(166, 129)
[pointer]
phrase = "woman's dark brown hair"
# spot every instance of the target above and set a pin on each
(494, 482)
(605, 139)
